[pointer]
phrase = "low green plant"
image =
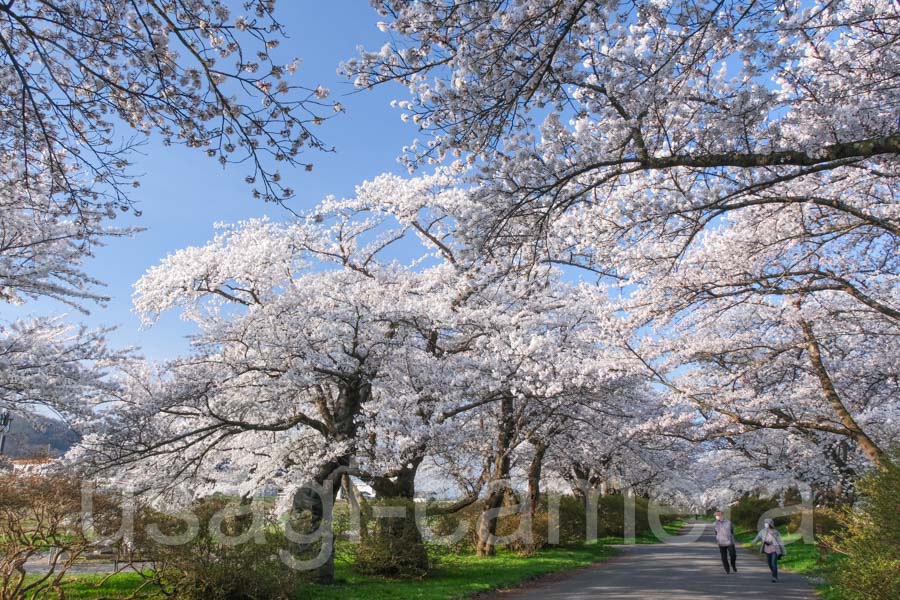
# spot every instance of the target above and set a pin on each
(870, 538)
(237, 558)
(391, 546)
(748, 510)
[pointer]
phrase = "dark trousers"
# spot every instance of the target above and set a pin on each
(773, 563)
(728, 552)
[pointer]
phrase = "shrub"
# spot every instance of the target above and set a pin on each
(41, 514)
(572, 523)
(825, 521)
(447, 524)
(748, 510)
(611, 518)
(870, 539)
(573, 520)
(391, 546)
(207, 566)
(515, 524)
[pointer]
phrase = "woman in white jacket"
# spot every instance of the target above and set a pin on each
(772, 546)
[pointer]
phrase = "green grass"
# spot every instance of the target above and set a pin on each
(461, 576)
(88, 587)
(802, 558)
(456, 576)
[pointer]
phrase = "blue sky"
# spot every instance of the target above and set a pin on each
(183, 192)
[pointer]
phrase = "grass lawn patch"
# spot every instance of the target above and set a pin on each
(88, 587)
(460, 576)
(455, 577)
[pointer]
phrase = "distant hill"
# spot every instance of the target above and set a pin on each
(45, 437)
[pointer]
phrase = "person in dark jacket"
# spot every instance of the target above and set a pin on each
(725, 540)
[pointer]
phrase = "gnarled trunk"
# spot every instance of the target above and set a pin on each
(313, 503)
(313, 513)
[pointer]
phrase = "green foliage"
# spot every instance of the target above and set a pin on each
(750, 508)
(611, 522)
(572, 520)
(236, 559)
(447, 525)
(870, 539)
(391, 546)
(825, 521)
(611, 518)
(456, 573)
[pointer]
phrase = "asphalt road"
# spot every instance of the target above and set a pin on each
(686, 568)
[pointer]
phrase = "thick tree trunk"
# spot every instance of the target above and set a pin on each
(854, 431)
(401, 483)
(534, 481)
(487, 523)
(529, 519)
(313, 512)
(313, 504)
(403, 530)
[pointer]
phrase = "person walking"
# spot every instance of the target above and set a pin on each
(772, 546)
(725, 540)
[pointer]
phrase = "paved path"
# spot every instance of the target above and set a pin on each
(87, 567)
(686, 568)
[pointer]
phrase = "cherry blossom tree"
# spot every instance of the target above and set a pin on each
(657, 118)
(808, 369)
(42, 253)
(646, 88)
(47, 364)
(306, 334)
(318, 357)
(726, 165)
(788, 316)
(77, 77)
(195, 71)
(290, 359)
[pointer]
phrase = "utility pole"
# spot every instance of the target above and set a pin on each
(5, 420)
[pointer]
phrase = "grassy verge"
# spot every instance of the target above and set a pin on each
(804, 559)
(461, 576)
(93, 587)
(456, 576)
